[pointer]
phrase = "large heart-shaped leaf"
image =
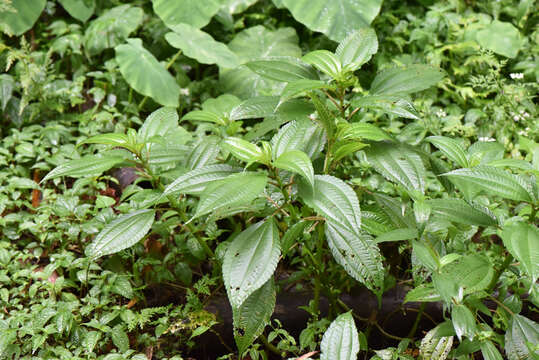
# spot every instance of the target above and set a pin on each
(522, 334)
(200, 46)
(195, 13)
(255, 43)
(90, 165)
(121, 233)
(334, 18)
(195, 181)
(341, 339)
(145, 74)
(522, 241)
(250, 260)
(112, 28)
(405, 80)
(23, 18)
(79, 9)
(501, 37)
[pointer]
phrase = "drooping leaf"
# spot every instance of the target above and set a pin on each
(390, 104)
(90, 165)
(463, 322)
(112, 28)
(195, 181)
(489, 351)
(282, 68)
(233, 190)
(79, 9)
(195, 13)
(521, 335)
(362, 131)
(342, 149)
(159, 123)
(201, 46)
(522, 241)
(399, 164)
(422, 293)
(23, 18)
(298, 162)
(253, 315)
(493, 181)
(450, 148)
(501, 37)
(337, 18)
(459, 211)
(435, 348)
(325, 61)
(341, 339)
(121, 233)
(243, 150)
(145, 74)
(297, 87)
(250, 260)
(406, 80)
(255, 107)
(357, 48)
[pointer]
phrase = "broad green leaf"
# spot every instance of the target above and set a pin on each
(395, 211)
(463, 322)
(79, 9)
(113, 139)
(450, 148)
(23, 18)
(342, 149)
(493, 181)
(459, 211)
(120, 338)
(357, 253)
(145, 74)
(357, 48)
(471, 272)
(201, 46)
(90, 165)
(112, 28)
(243, 150)
(216, 110)
(282, 68)
(206, 116)
(397, 235)
(341, 339)
(522, 241)
(374, 223)
(159, 123)
(489, 351)
(252, 44)
(362, 131)
(236, 6)
(501, 37)
(513, 163)
(298, 135)
(195, 13)
(298, 87)
(121, 233)
(334, 200)
(255, 107)
(253, 315)
(435, 348)
(297, 162)
(422, 293)
(237, 189)
(389, 104)
(337, 18)
(195, 181)
(203, 153)
(325, 61)
(521, 335)
(250, 260)
(399, 164)
(406, 80)
(426, 255)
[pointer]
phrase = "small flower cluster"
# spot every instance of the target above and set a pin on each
(517, 75)
(440, 113)
(520, 116)
(524, 132)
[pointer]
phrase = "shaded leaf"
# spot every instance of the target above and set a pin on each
(298, 87)
(282, 68)
(522, 241)
(389, 104)
(195, 13)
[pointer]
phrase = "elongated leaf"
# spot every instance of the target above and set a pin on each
(451, 148)
(298, 162)
(23, 18)
(298, 87)
(250, 260)
(86, 166)
(493, 181)
(489, 351)
(298, 135)
(341, 339)
(237, 189)
(406, 80)
(255, 107)
(399, 164)
(145, 74)
(422, 293)
(362, 131)
(389, 104)
(159, 123)
(201, 46)
(336, 18)
(325, 61)
(112, 28)
(253, 315)
(435, 348)
(522, 334)
(282, 68)
(522, 241)
(357, 48)
(357, 253)
(203, 153)
(121, 233)
(342, 149)
(206, 116)
(79, 9)
(397, 235)
(113, 139)
(195, 181)
(243, 150)
(195, 13)
(463, 322)
(459, 211)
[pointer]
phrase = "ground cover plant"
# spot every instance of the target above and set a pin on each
(256, 179)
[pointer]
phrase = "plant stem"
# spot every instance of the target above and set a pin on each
(272, 348)
(411, 334)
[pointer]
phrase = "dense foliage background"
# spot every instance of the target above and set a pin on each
(170, 170)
